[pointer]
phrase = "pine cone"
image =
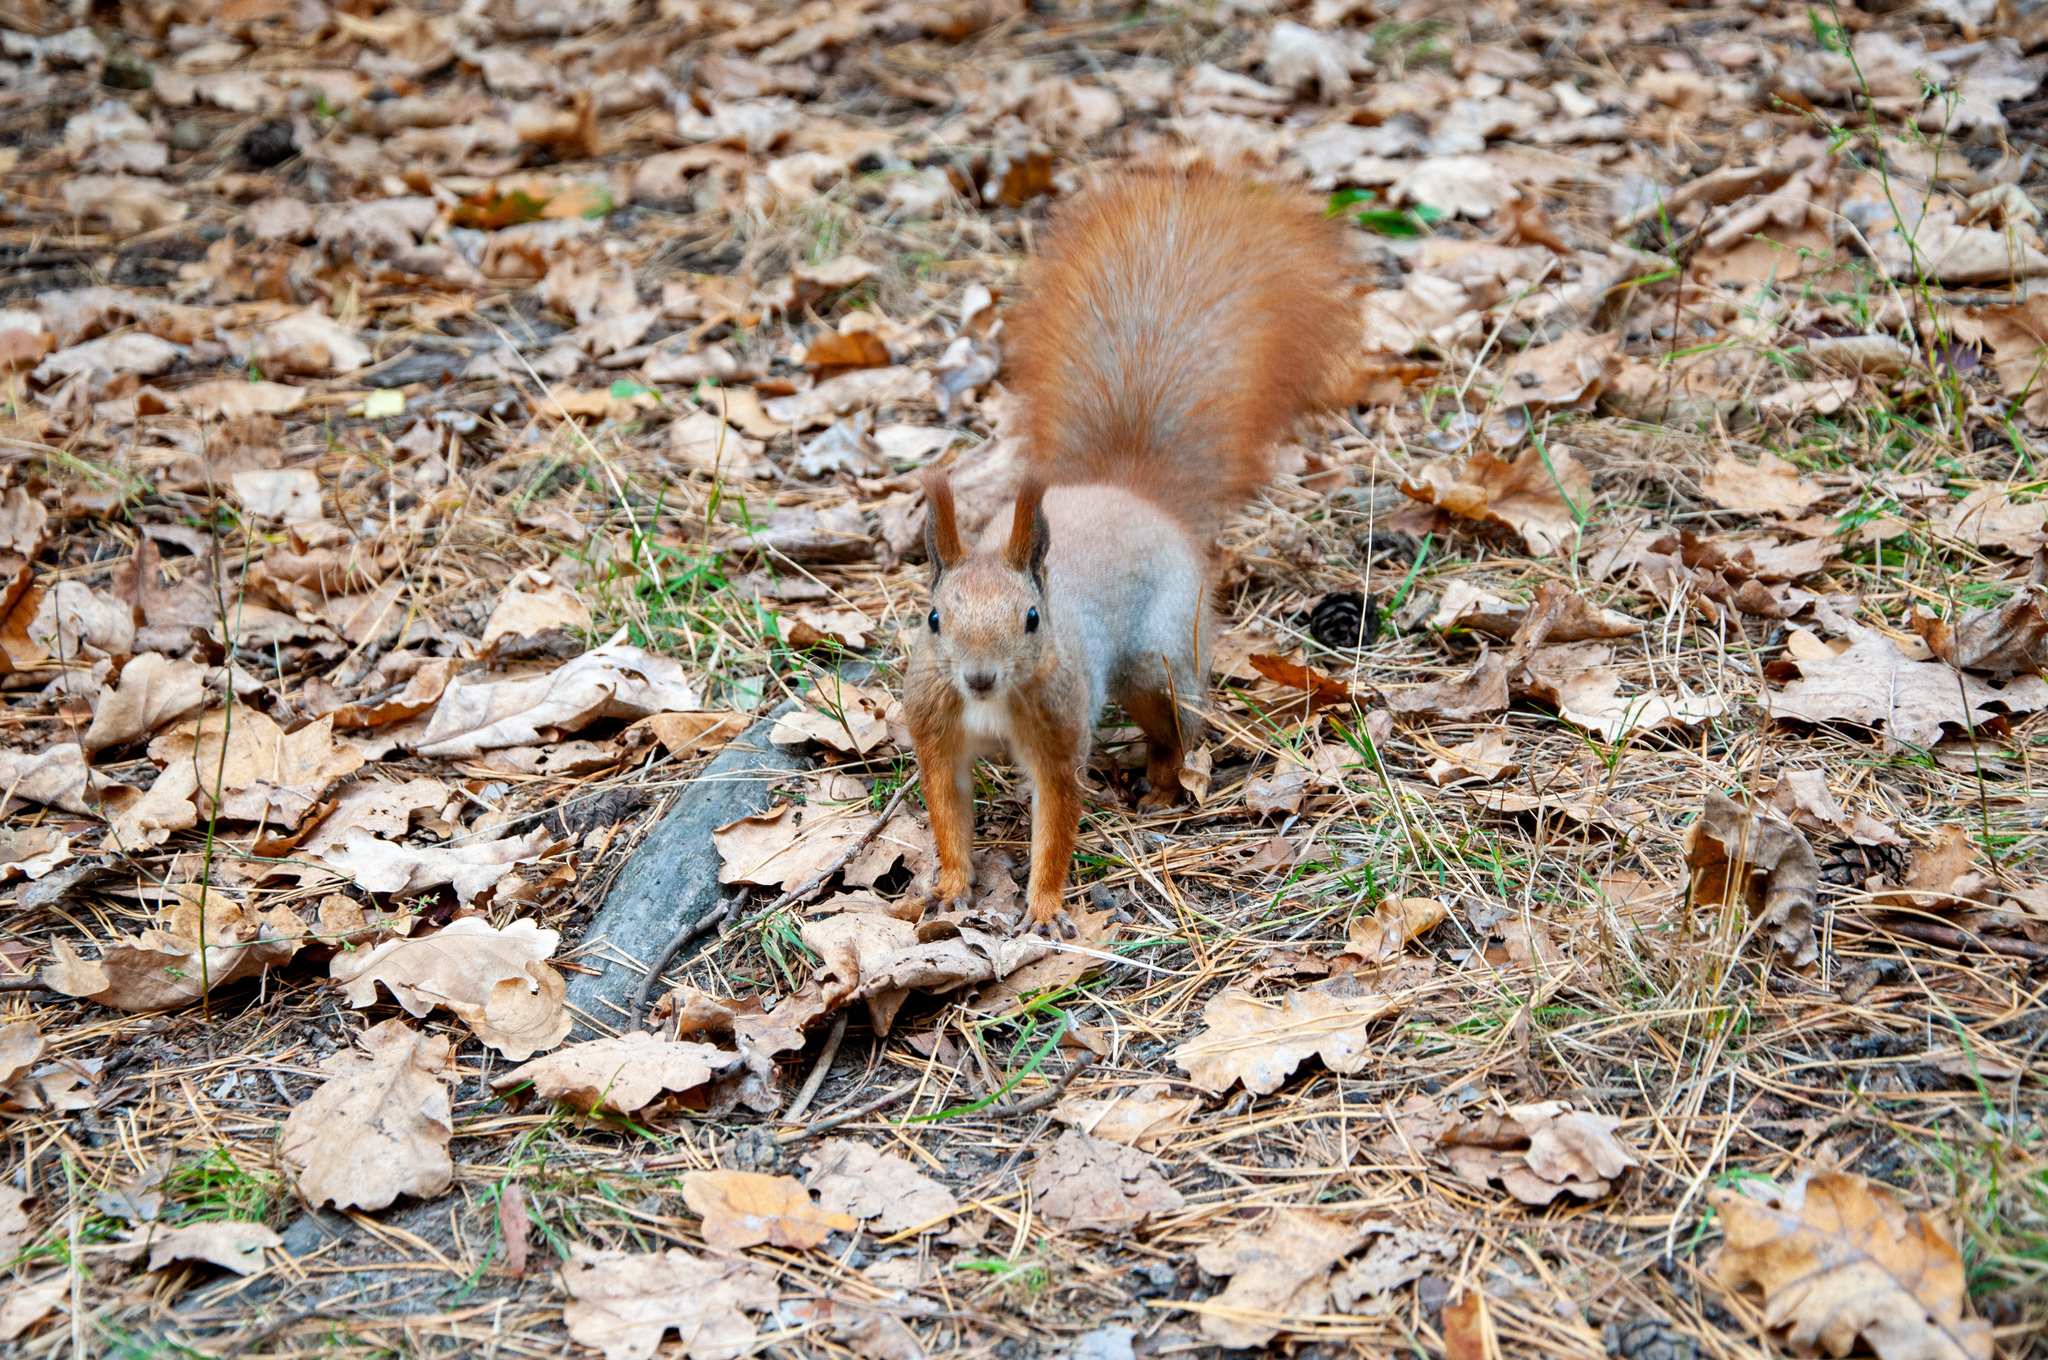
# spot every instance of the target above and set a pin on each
(1649, 1338)
(1344, 620)
(1850, 865)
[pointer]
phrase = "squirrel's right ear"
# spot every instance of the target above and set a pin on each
(941, 534)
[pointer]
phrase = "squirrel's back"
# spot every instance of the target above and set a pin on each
(1178, 323)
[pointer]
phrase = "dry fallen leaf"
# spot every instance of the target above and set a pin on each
(1279, 1272)
(160, 969)
(496, 980)
(878, 959)
(789, 844)
(223, 1242)
(1279, 793)
(688, 734)
(620, 1074)
(1539, 497)
(1261, 1042)
(1838, 1260)
(471, 868)
(1088, 1184)
(843, 716)
(1396, 1256)
(746, 1208)
(1948, 875)
(1771, 487)
(1392, 926)
(623, 1303)
(853, 1178)
(2007, 640)
(379, 1128)
(1539, 1152)
(153, 690)
(1488, 757)
(1143, 1116)
(1779, 879)
(612, 681)
(1874, 684)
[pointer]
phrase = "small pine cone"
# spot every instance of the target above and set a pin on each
(1649, 1338)
(1850, 865)
(1344, 620)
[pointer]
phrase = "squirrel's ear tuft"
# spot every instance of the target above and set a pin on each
(941, 534)
(1030, 535)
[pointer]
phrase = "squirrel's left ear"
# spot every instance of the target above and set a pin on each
(941, 534)
(1030, 534)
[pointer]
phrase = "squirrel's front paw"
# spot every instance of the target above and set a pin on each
(1053, 924)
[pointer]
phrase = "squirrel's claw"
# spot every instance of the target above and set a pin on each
(1058, 926)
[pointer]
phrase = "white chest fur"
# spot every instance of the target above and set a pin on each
(987, 723)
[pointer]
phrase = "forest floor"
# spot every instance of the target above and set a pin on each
(1607, 912)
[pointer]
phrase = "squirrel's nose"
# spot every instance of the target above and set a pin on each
(981, 682)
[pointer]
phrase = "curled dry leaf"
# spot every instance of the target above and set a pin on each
(1990, 518)
(1946, 876)
(1279, 1272)
(257, 771)
(1279, 793)
(163, 969)
(57, 777)
(612, 681)
(746, 1208)
(1143, 1115)
(1764, 862)
(853, 1178)
(379, 1127)
(1261, 1042)
(879, 959)
(1488, 757)
(1771, 487)
(31, 851)
(1539, 498)
(1874, 684)
(470, 869)
(840, 715)
(1838, 1260)
(789, 844)
(620, 1074)
(1093, 1185)
(534, 605)
(623, 1303)
(1397, 921)
(1323, 691)
(237, 1246)
(153, 690)
(2007, 640)
(1539, 1152)
(688, 734)
(1396, 1257)
(374, 807)
(497, 981)
(1465, 605)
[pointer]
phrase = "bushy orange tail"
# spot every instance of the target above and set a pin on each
(1178, 323)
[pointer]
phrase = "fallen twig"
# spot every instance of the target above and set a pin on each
(826, 1125)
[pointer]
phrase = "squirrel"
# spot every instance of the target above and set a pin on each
(1176, 325)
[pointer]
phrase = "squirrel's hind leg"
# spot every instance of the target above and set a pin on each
(1154, 713)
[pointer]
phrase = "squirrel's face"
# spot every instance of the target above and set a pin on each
(987, 627)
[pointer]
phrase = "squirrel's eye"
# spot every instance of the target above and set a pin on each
(933, 619)
(1031, 620)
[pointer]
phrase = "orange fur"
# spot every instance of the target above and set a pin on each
(1178, 323)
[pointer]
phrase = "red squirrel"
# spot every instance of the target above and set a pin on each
(1177, 324)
